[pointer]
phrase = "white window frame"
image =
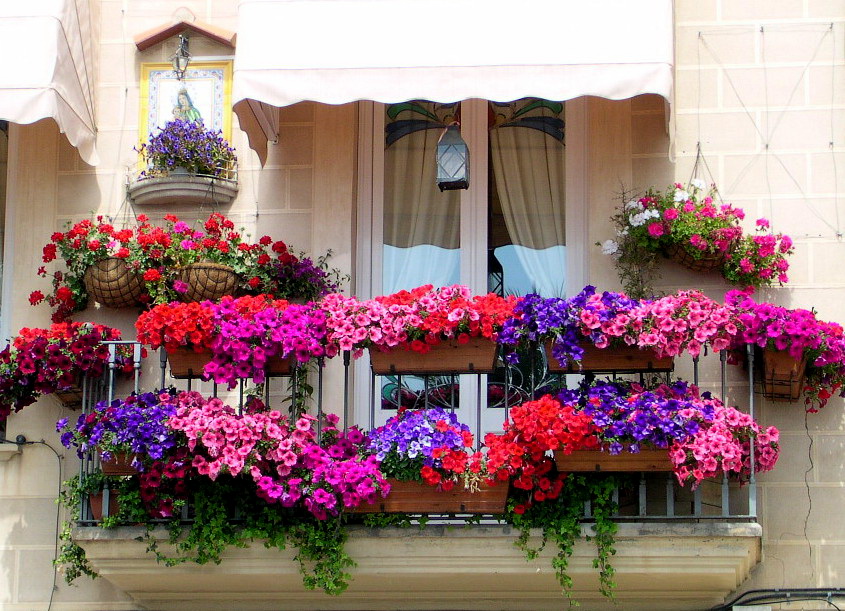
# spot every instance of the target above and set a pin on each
(369, 230)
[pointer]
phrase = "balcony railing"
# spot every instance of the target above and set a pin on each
(646, 497)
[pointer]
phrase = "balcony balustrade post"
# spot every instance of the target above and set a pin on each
(696, 502)
(112, 365)
(347, 359)
(136, 366)
(723, 365)
(695, 360)
(670, 495)
(162, 360)
(726, 497)
(320, 364)
(643, 501)
(752, 480)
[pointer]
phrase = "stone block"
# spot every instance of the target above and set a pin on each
(719, 132)
(761, 9)
(715, 45)
(762, 88)
(696, 87)
(648, 133)
(829, 450)
(788, 506)
(301, 194)
(805, 130)
(762, 175)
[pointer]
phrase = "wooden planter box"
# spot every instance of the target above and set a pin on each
(419, 497)
(623, 359)
(478, 355)
(781, 376)
(120, 464)
(186, 363)
(589, 461)
(96, 501)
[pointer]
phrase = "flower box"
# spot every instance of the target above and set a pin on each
(612, 358)
(183, 189)
(112, 283)
(71, 397)
(478, 355)
(119, 464)
(95, 499)
(419, 497)
(185, 362)
(781, 376)
(279, 367)
(584, 461)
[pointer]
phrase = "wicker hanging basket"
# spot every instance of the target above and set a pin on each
(705, 263)
(208, 281)
(112, 283)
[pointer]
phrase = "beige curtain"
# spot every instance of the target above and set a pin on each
(421, 223)
(529, 170)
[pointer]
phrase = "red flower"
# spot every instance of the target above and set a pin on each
(49, 253)
(254, 282)
(152, 275)
(143, 218)
(265, 240)
(280, 247)
(263, 259)
(93, 244)
(64, 293)
(57, 237)
(36, 297)
(122, 253)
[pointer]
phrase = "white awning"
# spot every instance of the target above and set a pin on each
(339, 51)
(48, 68)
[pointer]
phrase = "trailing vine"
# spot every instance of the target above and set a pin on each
(560, 522)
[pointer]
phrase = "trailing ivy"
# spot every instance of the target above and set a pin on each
(560, 521)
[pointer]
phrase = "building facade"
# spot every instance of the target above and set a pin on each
(755, 101)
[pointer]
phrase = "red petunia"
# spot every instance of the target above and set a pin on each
(152, 275)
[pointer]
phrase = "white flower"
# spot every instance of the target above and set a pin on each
(609, 247)
(697, 183)
(651, 213)
(681, 195)
(632, 204)
(636, 219)
(622, 233)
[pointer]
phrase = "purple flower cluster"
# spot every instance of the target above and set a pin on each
(135, 425)
(188, 145)
(413, 439)
(302, 278)
(538, 319)
(630, 416)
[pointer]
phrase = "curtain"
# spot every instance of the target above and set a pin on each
(421, 223)
(529, 171)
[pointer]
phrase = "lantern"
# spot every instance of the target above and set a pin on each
(452, 160)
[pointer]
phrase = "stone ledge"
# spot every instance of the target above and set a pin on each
(662, 565)
(183, 189)
(7, 450)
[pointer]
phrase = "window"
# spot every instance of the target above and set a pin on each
(511, 232)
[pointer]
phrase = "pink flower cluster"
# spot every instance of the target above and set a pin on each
(671, 325)
(252, 330)
(723, 444)
(421, 317)
(287, 462)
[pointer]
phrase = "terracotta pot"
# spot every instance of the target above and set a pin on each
(478, 355)
(623, 358)
(706, 263)
(208, 281)
(112, 283)
(119, 464)
(185, 362)
(781, 377)
(96, 501)
(584, 461)
(419, 497)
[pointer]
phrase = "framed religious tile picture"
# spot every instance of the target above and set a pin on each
(205, 94)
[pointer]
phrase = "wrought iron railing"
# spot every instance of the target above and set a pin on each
(647, 497)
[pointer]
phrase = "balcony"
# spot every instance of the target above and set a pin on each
(676, 548)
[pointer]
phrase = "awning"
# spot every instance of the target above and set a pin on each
(48, 68)
(339, 51)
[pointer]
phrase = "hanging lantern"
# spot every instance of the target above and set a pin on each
(452, 160)
(181, 58)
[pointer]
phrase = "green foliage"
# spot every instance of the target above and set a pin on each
(560, 522)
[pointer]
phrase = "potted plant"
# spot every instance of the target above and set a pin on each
(297, 278)
(424, 454)
(422, 331)
(186, 163)
(52, 361)
(686, 224)
(185, 330)
(796, 352)
(98, 264)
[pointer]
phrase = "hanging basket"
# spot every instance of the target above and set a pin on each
(781, 377)
(185, 189)
(71, 398)
(611, 359)
(185, 362)
(419, 497)
(208, 281)
(589, 461)
(113, 284)
(119, 464)
(478, 355)
(704, 263)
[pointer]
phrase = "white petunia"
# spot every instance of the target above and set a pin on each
(697, 183)
(681, 195)
(632, 204)
(622, 233)
(609, 247)
(636, 219)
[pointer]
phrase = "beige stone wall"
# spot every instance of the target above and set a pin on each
(765, 107)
